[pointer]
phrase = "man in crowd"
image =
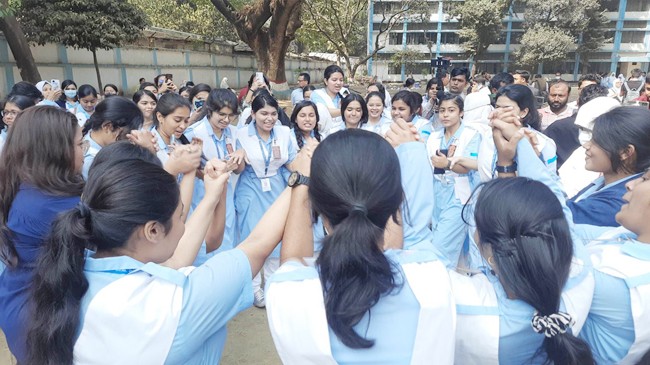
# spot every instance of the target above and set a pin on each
(459, 81)
(296, 95)
(584, 81)
(558, 97)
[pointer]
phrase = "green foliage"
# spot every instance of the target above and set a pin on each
(480, 23)
(88, 24)
(407, 57)
(543, 43)
(197, 16)
(565, 19)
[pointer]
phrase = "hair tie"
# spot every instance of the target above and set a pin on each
(552, 324)
(84, 210)
(358, 208)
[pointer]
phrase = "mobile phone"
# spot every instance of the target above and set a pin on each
(259, 76)
(344, 91)
(56, 84)
(437, 170)
(161, 80)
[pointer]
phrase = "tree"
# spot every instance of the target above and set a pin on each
(87, 24)
(18, 43)
(542, 44)
(268, 27)
(480, 24)
(577, 19)
(197, 16)
(408, 58)
(343, 24)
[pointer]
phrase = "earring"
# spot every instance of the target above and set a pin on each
(490, 261)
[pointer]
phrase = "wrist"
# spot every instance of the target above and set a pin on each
(507, 169)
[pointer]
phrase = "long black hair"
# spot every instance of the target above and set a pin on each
(523, 222)
(615, 130)
(112, 207)
(294, 115)
(356, 196)
(525, 99)
(119, 111)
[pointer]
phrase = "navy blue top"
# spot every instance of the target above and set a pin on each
(597, 204)
(29, 221)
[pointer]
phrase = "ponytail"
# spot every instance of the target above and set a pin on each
(58, 287)
(523, 222)
(356, 197)
(354, 274)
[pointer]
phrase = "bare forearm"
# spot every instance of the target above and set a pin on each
(298, 240)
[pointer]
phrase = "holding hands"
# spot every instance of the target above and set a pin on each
(402, 132)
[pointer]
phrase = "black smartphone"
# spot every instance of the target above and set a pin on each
(437, 170)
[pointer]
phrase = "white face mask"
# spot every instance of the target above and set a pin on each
(70, 93)
(584, 136)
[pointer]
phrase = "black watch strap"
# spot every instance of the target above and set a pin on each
(507, 169)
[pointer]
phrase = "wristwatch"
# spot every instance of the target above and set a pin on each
(296, 179)
(507, 169)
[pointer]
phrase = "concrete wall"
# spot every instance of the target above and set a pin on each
(125, 66)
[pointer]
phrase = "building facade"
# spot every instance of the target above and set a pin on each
(628, 31)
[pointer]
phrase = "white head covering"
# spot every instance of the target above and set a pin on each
(477, 108)
(224, 83)
(41, 84)
(589, 112)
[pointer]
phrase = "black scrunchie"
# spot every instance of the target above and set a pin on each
(84, 210)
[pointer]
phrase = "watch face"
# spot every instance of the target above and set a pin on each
(293, 179)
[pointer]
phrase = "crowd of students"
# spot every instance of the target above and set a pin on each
(397, 229)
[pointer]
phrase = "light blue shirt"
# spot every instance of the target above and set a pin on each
(212, 294)
(89, 157)
(391, 323)
(296, 96)
(317, 99)
(609, 329)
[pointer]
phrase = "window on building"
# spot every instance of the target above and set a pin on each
(395, 38)
(610, 5)
(637, 5)
(635, 24)
(633, 37)
(449, 38)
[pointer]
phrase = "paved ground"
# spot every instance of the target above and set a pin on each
(249, 342)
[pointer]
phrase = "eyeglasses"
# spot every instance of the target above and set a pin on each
(85, 146)
(229, 116)
(9, 113)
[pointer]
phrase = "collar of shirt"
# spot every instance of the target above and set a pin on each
(566, 113)
(124, 265)
(636, 249)
(93, 145)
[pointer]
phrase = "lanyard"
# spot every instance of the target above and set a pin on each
(266, 157)
(217, 145)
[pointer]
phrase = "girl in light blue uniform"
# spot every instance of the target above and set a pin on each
(358, 304)
(530, 300)
(354, 114)
(146, 102)
(406, 105)
(517, 102)
(453, 151)
(87, 101)
(617, 325)
(377, 122)
(219, 141)
(113, 119)
(264, 153)
(68, 100)
(12, 106)
(328, 99)
(134, 300)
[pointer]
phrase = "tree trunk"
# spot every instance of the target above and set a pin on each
(99, 76)
(19, 48)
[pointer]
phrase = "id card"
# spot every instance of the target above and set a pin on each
(266, 185)
(276, 153)
(229, 146)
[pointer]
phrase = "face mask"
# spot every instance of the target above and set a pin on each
(584, 136)
(70, 93)
(198, 104)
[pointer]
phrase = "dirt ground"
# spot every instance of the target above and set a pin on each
(249, 342)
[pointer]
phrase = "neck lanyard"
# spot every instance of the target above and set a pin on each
(266, 157)
(220, 146)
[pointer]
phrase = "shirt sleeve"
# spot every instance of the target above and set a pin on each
(293, 148)
(316, 99)
(213, 294)
(598, 210)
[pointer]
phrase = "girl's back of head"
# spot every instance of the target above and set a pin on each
(355, 196)
(524, 234)
(120, 112)
(116, 201)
